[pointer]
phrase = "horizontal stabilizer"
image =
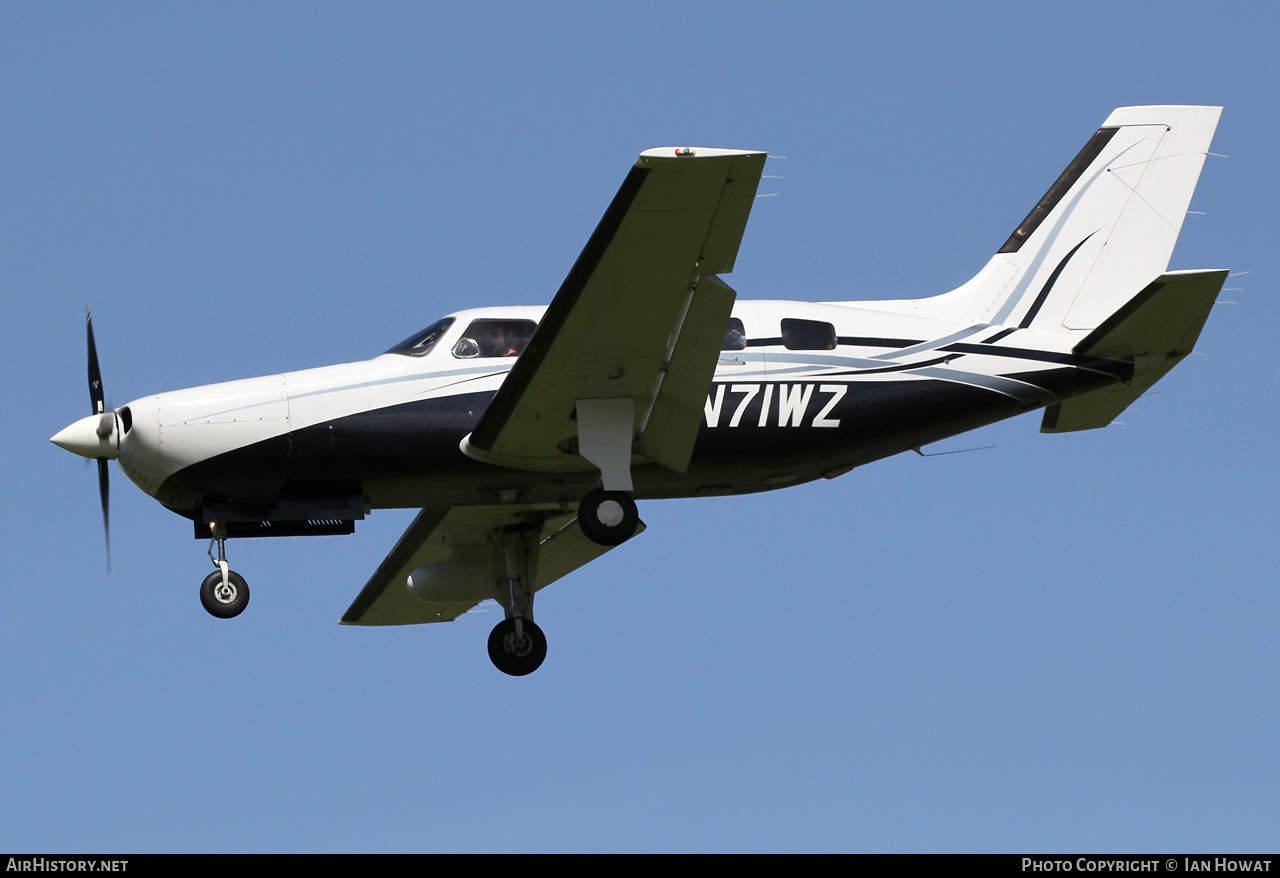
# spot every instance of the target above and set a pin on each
(1156, 329)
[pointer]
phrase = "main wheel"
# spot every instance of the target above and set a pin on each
(517, 657)
(608, 518)
(224, 601)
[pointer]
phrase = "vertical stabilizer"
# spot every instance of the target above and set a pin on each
(1103, 231)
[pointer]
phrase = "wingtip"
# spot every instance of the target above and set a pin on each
(687, 152)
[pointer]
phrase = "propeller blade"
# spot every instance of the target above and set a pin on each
(104, 488)
(96, 395)
(97, 398)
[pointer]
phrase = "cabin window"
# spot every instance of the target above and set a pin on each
(494, 338)
(808, 335)
(735, 337)
(420, 344)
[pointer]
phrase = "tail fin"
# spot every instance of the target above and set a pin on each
(1101, 233)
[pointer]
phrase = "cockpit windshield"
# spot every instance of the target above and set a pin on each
(420, 343)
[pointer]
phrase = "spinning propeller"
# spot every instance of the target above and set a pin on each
(96, 436)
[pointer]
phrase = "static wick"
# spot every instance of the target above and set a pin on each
(957, 451)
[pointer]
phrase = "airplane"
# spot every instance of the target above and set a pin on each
(525, 435)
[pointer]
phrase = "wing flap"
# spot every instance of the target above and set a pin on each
(669, 435)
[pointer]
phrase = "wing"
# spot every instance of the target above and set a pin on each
(458, 539)
(640, 317)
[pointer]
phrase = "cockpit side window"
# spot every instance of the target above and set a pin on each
(421, 343)
(808, 335)
(494, 338)
(735, 337)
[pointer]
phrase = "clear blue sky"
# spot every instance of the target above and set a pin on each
(1064, 643)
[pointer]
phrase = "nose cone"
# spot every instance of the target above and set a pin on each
(94, 437)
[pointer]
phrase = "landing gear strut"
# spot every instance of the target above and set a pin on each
(516, 645)
(224, 592)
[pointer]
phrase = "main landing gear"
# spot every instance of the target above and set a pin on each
(223, 592)
(608, 518)
(516, 645)
(606, 433)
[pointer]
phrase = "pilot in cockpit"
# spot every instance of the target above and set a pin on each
(505, 344)
(494, 338)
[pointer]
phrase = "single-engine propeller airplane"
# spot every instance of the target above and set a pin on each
(525, 435)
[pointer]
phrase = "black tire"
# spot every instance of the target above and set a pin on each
(608, 518)
(222, 605)
(517, 659)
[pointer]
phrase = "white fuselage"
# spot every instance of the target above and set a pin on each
(776, 413)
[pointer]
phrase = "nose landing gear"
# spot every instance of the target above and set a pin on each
(224, 592)
(224, 599)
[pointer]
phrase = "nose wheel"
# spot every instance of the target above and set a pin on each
(224, 592)
(224, 599)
